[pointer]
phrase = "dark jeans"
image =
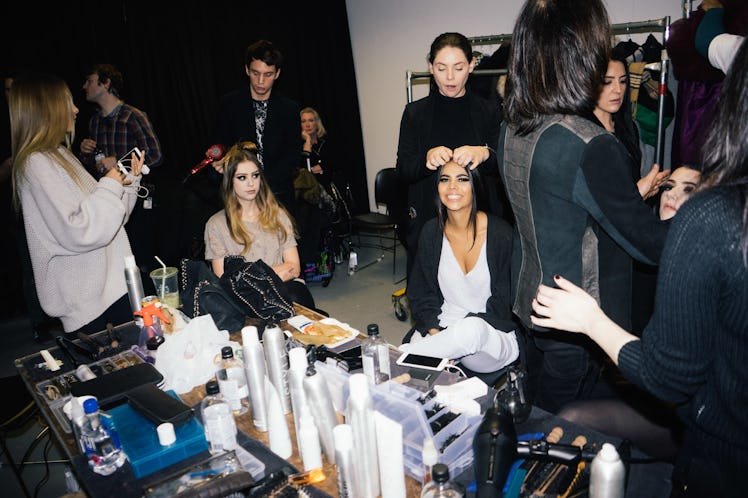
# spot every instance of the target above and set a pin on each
(566, 370)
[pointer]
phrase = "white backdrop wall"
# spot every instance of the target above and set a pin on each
(392, 36)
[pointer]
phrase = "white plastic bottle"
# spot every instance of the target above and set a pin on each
(232, 382)
(104, 456)
(220, 427)
(607, 474)
(375, 356)
(440, 485)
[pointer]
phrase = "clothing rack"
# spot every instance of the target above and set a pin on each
(650, 26)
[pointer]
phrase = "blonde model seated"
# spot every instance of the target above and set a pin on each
(459, 287)
(253, 224)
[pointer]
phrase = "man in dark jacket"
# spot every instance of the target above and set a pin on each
(267, 118)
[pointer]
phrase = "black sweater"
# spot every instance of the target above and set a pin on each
(425, 297)
(693, 352)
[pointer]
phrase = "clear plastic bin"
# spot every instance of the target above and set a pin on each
(454, 441)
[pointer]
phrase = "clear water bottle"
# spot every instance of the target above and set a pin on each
(105, 456)
(440, 485)
(233, 381)
(220, 428)
(607, 474)
(375, 356)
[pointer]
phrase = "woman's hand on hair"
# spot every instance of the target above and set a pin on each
(650, 184)
(438, 156)
(218, 166)
(470, 156)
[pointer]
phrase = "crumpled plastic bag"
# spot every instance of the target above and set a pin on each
(191, 356)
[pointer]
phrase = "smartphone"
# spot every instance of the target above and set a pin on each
(127, 158)
(421, 361)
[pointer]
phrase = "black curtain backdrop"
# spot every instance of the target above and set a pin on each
(177, 60)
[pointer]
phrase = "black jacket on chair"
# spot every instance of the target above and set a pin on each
(425, 297)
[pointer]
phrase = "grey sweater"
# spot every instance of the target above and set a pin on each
(76, 238)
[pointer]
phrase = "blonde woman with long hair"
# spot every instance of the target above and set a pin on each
(253, 224)
(74, 224)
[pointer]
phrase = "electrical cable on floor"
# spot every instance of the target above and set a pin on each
(44, 479)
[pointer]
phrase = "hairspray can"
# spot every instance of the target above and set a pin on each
(134, 286)
(297, 365)
(360, 416)
(276, 358)
(343, 436)
(607, 474)
(254, 367)
(320, 403)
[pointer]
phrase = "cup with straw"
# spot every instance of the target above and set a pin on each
(165, 281)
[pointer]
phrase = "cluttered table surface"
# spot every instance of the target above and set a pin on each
(112, 353)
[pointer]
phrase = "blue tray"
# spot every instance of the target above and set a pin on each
(140, 440)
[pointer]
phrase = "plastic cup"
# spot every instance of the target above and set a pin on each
(167, 287)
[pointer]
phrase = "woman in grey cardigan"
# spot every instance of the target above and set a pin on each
(74, 224)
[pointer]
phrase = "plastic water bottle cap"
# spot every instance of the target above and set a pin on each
(91, 405)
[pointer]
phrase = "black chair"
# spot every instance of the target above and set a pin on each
(390, 192)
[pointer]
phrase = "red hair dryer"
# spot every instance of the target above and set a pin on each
(214, 153)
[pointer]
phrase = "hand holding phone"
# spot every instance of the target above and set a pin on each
(127, 159)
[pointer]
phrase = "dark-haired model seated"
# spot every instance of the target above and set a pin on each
(459, 287)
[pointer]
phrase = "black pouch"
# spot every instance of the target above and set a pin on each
(257, 289)
(202, 294)
(158, 406)
(110, 389)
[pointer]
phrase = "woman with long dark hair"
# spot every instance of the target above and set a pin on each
(693, 351)
(459, 287)
(576, 209)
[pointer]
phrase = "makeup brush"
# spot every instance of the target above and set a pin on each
(112, 337)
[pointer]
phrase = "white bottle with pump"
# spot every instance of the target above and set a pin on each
(608, 474)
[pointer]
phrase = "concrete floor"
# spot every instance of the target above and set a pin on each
(358, 299)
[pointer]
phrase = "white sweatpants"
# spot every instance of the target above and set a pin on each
(473, 341)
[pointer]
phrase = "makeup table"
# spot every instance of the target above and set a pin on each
(645, 480)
